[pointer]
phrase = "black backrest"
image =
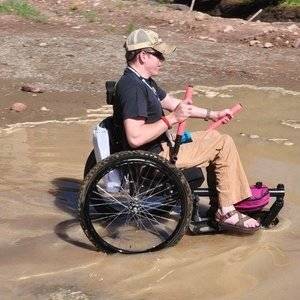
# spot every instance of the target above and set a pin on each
(110, 91)
(115, 136)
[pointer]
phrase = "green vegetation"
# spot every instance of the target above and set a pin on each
(21, 8)
(119, 4)
(130, 28)
(91, 16)
(163, 1)
(291, 2)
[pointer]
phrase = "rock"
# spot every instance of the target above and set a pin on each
(171, 21)
(268, 45)
(254, 42)
(200, 16)
(292, 27)
(31, 88)
(212, 39)
(44, 108)
(161, 9)
(179, 7)
(18, 107)
(297, 43)
(277, 140)
(43, 44)
(268, 29)
(228, 28)
(253, 136)
(211, 94)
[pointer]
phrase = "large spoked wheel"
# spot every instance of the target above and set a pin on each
(90, 163)
(134, 202)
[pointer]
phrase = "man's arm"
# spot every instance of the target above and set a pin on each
(171, 104)
(139, 133)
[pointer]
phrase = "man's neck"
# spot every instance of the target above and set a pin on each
(140, 70)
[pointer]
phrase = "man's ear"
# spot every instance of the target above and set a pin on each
(141, 57)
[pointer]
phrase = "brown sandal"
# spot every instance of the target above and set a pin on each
(238, 227)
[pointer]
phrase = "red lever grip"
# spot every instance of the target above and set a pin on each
(234, 110)
(188, 98)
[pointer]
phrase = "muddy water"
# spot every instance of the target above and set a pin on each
(45, 255)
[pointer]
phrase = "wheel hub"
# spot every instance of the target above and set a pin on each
(134, 207)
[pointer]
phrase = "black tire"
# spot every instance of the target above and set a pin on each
(90, 163)
(148, 185)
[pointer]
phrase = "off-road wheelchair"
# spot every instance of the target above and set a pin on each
(137, 201)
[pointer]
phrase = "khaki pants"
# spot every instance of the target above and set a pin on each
(218, 153)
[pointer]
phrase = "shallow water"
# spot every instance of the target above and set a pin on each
(45, 255)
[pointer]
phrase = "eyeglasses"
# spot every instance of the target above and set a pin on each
(157, 54)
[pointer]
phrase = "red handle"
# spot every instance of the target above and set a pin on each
(234, 110)
(187, 98)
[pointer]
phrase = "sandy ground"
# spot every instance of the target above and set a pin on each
(70, 57)
(44, 253)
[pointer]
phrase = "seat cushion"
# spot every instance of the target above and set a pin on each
(194, 177)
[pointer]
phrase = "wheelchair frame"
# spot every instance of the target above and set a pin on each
(187, 182)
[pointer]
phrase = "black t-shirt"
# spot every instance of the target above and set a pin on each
(137, 97)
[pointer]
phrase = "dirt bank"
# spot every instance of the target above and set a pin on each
(80, 47)
(272, 10)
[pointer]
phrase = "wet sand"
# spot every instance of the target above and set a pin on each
(45, 255)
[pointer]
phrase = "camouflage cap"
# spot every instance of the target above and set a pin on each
(142, 38)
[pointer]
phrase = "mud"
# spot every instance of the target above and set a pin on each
(45, 255)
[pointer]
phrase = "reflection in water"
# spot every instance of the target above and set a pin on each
(40, 237)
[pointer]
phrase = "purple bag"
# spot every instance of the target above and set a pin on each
(260, 198)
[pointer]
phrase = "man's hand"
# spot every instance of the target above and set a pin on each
(180, 113)
(216, 115)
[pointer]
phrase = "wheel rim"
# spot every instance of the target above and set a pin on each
(141, 213)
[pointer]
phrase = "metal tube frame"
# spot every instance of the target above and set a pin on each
(267, 217)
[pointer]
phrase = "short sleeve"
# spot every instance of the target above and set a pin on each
(132, 100)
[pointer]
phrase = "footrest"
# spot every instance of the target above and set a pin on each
(203, 226)
(268, 218)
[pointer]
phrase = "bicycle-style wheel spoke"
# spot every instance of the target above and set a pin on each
(142, 213)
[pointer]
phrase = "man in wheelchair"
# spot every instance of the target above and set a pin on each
(139, 114)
